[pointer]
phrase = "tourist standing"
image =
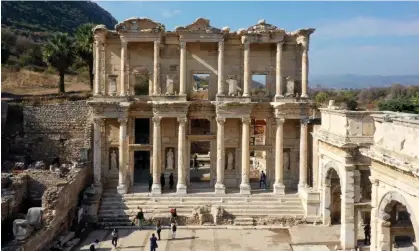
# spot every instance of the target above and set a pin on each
(115, 237)
(174, 228)
(153, 243)
(173, 215)
(150, 182)
(262, 180)
(367, 233)
(140, 218)
(162, 181)
(195, 161)
(171, 181)
(158, 228)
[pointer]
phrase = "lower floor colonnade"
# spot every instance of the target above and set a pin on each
(223, 159)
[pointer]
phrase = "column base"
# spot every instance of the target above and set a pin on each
(279, 188)
(156, 189)
(121, 189)
(220, 189)
(181, 189)
(245, 189)
(302, 186)
(304, 96)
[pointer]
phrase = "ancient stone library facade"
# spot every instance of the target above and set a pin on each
(215, 108)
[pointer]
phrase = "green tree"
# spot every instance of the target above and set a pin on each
(84, 47)
(58, 53)
(321, 97)
(400, 104)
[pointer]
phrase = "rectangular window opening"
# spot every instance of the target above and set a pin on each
(259, 85)
(200, 86)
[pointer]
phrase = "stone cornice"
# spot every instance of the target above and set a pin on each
(201, 25)
(342, 141)
(395, 160)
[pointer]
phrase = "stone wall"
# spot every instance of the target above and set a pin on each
(57, 130)
(13, 193)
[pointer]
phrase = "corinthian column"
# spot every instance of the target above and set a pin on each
(181, 186)
(156, 68)
(304, 68)
(244, 186)
(246, 67)
(279, 91)
(122, 187)
(156, 188)
(182, 78)
(303, 154)
(97, 67)
(97, 151)
(220, 68)
(123, 90)
(219, 186)
(279, 187)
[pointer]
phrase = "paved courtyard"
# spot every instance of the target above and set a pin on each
(221, 239)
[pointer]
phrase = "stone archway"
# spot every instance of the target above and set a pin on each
(397, 226)
(331, 195)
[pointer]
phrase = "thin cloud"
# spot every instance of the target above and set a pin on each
(368, 27)
(170, 13)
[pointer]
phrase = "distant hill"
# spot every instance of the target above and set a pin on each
(52, 16)
(361, 81)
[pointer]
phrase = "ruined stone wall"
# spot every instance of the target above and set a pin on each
(57, 201)
(38, 182)
(14, 191)
(57, 130)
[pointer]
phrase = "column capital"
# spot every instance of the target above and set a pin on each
(182, 121)
(221, 46)
(124, 43)
(280, 121)
(220, 120)
(304, 42)
(279, 45)
(304, 121)
(374, 181)
(182, 44)
(156, 120)
(98, 121)
(123, 120)
(157, 43)
(246, 120)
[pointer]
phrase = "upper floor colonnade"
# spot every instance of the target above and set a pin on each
(145, 30)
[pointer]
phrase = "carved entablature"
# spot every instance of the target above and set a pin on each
(170, 109)
(141, 25)
(201, 25)
(262, 32)
(100, 32)
(302, 36)
(233, 110)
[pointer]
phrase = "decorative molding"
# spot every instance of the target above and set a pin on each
(141, 25)
(200, 25)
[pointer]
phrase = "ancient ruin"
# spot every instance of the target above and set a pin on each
(214, 108)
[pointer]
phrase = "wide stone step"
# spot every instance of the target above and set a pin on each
(122, 206)
(199, 200)
(244, 221)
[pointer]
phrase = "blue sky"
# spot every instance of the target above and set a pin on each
(366, 38)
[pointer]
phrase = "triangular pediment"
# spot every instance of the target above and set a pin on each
(201, 25)
(142, 24)
(263, 27)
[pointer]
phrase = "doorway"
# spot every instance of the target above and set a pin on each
(257, 166)
(141, 167)
(200, 164)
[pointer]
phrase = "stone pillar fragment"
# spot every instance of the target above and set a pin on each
(279, 90)
(219, 186)
(303, 154)
(245, 186)
(304, 68)
(122, 186)
(156, 68)
(97, 68)
(182, 165)
(97, 151)
(279, 187)
(246, 67)
(182, 78)
(220, 68)
(347, 229)
(156, 188)
(123, 91)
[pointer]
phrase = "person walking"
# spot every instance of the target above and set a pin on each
(140, 218)
(262, 180)
(367, 233)
(153, 243)
(115, 237)
(162, 181)
(171, 181)
(173, 215)
(173, 227)
(158, 228)
(150, 182)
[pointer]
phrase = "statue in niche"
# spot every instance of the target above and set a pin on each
(233, 89)
(169, 85)
(169, 159)
(290, 87)
(230, 159)
(286, 160)
(114, 164)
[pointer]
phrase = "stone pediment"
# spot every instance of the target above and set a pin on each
(201, 25)
(141, 24)
(263, 27)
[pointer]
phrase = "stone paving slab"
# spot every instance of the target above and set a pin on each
(309, 234)
(200, 240)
